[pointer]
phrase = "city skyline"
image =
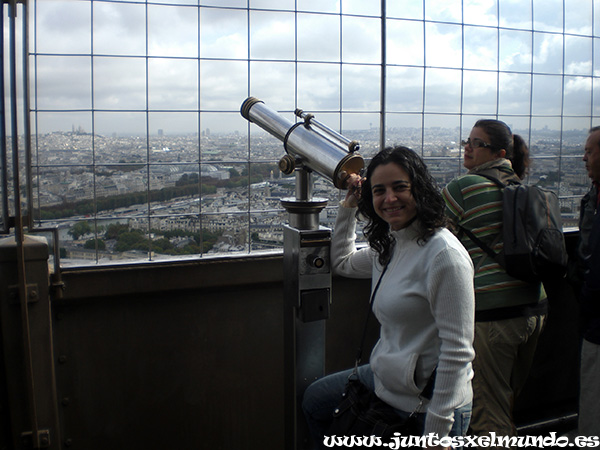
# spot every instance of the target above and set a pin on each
(246, 218)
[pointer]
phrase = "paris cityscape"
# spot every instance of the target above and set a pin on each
(235, 204)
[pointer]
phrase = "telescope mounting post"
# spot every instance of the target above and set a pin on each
(307, 295)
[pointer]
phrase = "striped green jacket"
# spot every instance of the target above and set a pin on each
(475, 203)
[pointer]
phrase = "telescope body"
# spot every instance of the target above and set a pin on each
(318, 148)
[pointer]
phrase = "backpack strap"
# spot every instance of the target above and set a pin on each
(492, 245)
(495, 180)
(482, 245)
(486, 248)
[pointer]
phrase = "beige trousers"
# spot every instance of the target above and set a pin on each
(504, 352)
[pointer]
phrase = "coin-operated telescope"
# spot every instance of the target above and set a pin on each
(309, 147)
(308, 142)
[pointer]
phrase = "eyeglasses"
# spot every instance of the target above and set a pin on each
(475, 143)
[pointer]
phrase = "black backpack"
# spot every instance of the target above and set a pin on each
(534, 244)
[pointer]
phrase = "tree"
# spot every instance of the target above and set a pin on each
(162, 245)
(91, 244)
(115, 229)
(131, 240)
(80, 229)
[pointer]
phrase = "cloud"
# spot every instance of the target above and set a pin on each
(443, 10)
(119, 29)
(443, 45)
(58, 21)
(547, 53)
(198, 58)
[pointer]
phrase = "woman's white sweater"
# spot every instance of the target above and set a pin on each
(425, 305)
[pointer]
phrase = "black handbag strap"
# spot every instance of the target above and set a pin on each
(364, 335)
(427, 391)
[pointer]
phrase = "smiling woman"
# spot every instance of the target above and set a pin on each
(423, 298)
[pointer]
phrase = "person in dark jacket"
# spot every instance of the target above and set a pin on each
(589, 255)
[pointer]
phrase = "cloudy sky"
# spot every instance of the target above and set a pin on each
(174, 60)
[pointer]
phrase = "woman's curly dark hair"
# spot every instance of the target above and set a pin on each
(430, 204)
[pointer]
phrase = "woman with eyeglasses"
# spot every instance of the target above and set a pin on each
(509, 313)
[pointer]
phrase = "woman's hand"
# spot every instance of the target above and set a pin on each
(353, 192)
